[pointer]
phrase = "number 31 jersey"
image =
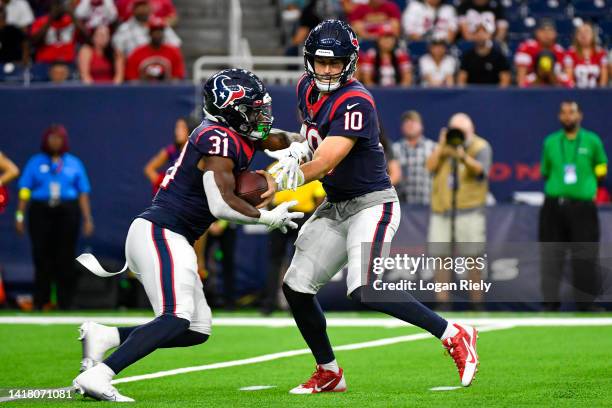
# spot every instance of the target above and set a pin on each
(180, 205)
(349, 111)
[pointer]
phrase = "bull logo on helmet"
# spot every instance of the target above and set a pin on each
(226, 94)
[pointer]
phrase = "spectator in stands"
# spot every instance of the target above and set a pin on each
(412, 153)
(99, 62)
(476, 12)
(135, 31)
(168, 154)
(437, 68)
(8, 172)
(13, 42)
(155, 61)
(586, 64)
(423, 20)
(367, 19)
(573, 159)
(309, 19)
(528, 51)
(56, 186)
(386, 64)
(59, 72)
(484, 63)
(163, 9)
(393, 167)
(96, 13)
(546, 73)
(18, 13)
(54, 34)
(460, 167)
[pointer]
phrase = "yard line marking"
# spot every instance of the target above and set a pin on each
(256, 387)
(289, 353)
(331, 322)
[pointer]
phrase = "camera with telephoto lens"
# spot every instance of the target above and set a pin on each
(455, 137)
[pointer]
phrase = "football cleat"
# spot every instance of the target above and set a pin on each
(322, 380)
(96, 383)
(96, 340)
(462, 348)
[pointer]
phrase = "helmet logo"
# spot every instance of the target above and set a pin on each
(226, 94)
(355, 42)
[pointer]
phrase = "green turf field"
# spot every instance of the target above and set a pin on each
(520, 366)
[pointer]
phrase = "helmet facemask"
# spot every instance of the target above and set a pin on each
(257, 120)
(329, 83)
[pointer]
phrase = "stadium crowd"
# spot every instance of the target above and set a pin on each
(95, 41)
(438, 43)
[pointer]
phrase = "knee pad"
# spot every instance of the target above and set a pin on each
(356, 295)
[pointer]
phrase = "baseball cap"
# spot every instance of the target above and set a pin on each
(156, 23)
(546, 23)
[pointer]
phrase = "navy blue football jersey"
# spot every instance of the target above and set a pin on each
(349, 111)
(180, 204)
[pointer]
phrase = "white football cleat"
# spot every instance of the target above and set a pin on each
(462, 348)
(96, 339)
(322, 380)
(96, 383)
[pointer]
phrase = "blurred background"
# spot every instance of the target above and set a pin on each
(112, 89)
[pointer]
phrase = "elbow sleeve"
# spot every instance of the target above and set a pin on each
(218, 207)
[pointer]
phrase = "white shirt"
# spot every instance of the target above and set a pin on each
(418, 19)
(19, 13)
(131, 35)
(437, 73)
(104, 14)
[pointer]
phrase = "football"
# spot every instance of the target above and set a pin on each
(250, 186)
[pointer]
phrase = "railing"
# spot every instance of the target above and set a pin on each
(271, 69)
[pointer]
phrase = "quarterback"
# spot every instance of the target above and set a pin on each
(361, 212)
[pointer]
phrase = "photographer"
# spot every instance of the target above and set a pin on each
(460, 165)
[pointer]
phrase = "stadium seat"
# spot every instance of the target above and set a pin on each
(590, 8)
(552, 9)
(417, 49)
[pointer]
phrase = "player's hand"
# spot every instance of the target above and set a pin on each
(280, 217)
(287, 174)
(268, 196)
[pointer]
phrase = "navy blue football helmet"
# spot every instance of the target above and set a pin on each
(331, 39)
(238, 99)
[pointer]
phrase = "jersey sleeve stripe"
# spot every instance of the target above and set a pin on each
(347, 95)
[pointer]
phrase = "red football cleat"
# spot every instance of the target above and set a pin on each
(462, 348)
(322, 380)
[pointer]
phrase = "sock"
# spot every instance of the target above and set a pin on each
(409, 310)
(450, 331)
(310, 320)
(186, 339)
(145, 339)
(332, 366)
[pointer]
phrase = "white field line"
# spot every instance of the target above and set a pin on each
(290, 353)
(332, 321)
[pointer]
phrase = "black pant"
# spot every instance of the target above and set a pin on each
(54, 232)
(279, 244)
(226, 243)
(574, 225)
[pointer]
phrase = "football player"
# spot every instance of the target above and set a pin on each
(361, 212)
(196, 191)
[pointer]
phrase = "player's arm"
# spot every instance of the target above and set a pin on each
(280, 139)
(219, 185)
(327, 156)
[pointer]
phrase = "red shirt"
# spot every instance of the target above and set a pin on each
(586, 70)
(374, 17)
(148, 63)
(159, 8)
(527, 53)
(60, 41)
(100, 68)
(386, 70)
